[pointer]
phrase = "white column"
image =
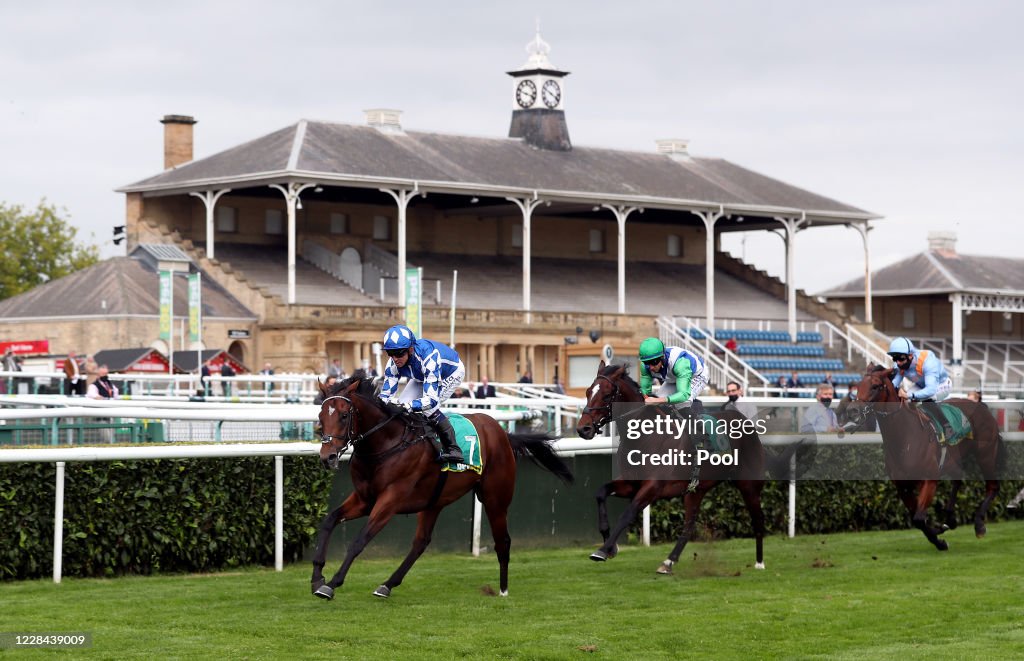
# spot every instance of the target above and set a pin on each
(279, 513)
(209, 199)
(791, 225)
(402, 197)
(58, 524)
(863, 229)
(958, 328)
(291, 196)
(709, 218)
(621, 213)
(526, 205)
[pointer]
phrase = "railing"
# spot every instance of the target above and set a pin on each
(856, 342)
(720, 372)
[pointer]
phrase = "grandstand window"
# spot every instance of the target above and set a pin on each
(274, 219)
(517, 235)
(1007, 323)
(382, 228)
(675, 245)
(339, 223)
(596, 240)
(909, 317)
(227, 219)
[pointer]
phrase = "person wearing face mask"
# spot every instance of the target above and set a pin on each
(733, 391)
(819, 418)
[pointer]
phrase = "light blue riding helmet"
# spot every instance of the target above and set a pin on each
(901, 345)
(398, 337)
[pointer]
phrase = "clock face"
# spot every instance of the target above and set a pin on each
(551, 93)
(526, 93)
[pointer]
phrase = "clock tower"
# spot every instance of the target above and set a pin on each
(538, 97)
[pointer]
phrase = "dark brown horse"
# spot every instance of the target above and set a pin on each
(914, 459)
(614, 385)
(395, 471)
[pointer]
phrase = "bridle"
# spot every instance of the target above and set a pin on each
(606, 416)
(348, 438)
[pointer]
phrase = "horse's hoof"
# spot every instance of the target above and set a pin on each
(943, 528)
(759, 565)
(942, 545)
(979, 531)
(665, 568)
(599, 556)
(614, 552)
(503, 593)
(324, 592)
(383, 592)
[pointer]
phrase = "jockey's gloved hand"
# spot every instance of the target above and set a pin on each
(408, 407)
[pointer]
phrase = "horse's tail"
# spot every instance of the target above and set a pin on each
(538, 448)
(780, 465)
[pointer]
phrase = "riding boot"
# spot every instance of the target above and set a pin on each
(935, 411)
(700, 440)
(450, 452)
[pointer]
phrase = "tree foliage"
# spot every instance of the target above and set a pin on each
(36, 246)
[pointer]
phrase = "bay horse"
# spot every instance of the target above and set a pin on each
(914, 459)
(614, 385)
(395, 470)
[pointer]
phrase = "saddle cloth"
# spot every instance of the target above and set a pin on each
(469, 443)
(717, 443)
(957, 420)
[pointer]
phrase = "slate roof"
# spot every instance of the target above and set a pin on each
(118, 360)
(359, 155)
(939, 272)
(115, 287)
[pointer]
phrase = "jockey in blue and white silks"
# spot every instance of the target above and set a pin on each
(434, 371)
(921, 377)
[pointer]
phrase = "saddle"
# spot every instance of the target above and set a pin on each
(957, 419)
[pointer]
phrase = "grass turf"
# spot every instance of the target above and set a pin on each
(863, 595)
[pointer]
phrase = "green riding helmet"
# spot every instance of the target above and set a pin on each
(650, 349)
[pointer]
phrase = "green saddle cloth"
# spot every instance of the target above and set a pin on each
(717, 443)
(469, 443)
(957, 421)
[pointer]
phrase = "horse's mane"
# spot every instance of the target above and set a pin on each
(873, 369)
(611, 369)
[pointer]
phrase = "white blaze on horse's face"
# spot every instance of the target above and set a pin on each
(330, 410)
(594, 391)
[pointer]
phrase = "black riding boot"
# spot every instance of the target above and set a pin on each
(935, 411)
(700, 440)
(450, 452)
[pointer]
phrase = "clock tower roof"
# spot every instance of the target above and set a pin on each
(537, 59)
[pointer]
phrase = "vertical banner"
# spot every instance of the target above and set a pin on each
(166, 299)
(414, 300)
(195, 308)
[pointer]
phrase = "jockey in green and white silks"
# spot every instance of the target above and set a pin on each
(682, 373)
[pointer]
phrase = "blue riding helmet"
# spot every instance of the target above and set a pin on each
(398, 337)
(901, 345)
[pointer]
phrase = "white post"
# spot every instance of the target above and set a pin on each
(402, 197)
(526, 206)
(291, 197)
(958, 328)
(791, 225)
(455, 282)
(58, 524)
(279, 513)
(621, 213)
(209, 199)
(647, 526)
(863, 229)
(477, 514)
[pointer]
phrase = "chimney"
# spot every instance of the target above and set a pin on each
(676, 148)
(385, 120)
(177, 140)
(944, 242)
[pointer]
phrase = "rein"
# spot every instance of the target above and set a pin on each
(353, 440)
(607, 415)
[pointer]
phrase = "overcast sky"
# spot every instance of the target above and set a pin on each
(911, 110)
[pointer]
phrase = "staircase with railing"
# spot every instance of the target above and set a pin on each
(721, 364)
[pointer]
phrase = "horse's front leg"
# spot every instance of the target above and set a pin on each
(925, 495)
(646, 494)
(620, 488)
(382, 511)
(948, 511)
(352, 508)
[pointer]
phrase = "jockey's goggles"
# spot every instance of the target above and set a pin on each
(653, 361)
(395, 353)
(899, 357)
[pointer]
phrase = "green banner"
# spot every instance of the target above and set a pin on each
(414, 300)
(166, 304)
(195, 307)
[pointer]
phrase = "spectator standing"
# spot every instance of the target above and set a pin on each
(559, 388)
(819, 418)
(781, 385)
(269, 371)
(485, 390)
(226, 372)
(829, 380)
(10, 364)
(734, 392)
(74, 383)
(527, 377)
(336, 370)
(794, 382)
(102, 388)
(731, 345)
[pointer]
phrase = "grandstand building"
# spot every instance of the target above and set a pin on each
(964, 307)
(559, 249)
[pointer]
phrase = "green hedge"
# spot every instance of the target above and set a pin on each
(140, 517)
(822, 507)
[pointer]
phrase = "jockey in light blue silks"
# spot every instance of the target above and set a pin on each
(434, 371)
(921, 377)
